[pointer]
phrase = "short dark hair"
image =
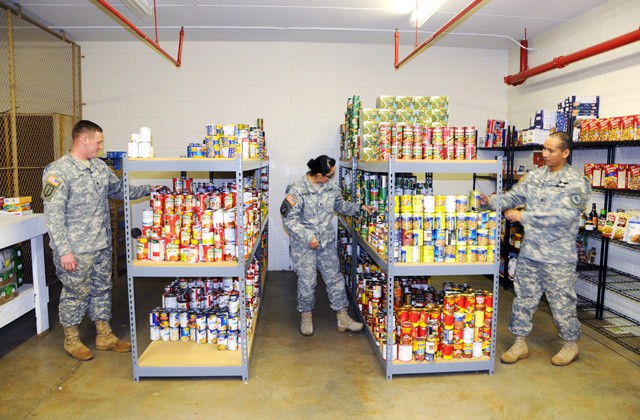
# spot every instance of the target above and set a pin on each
(321, 165)
(84, 126)
(565, 139)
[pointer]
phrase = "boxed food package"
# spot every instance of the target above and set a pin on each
(628, 130)
(588, 171)
(598, 175)
(632, 234)
(17, 200)
(610, 180)
(633, 177)
(609, 224)
(603, 129)
(615, 129)
(620, 226)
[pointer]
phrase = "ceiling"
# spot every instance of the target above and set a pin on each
(494, 23)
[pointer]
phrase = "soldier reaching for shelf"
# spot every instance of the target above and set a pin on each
(308, 211)
(555, 196)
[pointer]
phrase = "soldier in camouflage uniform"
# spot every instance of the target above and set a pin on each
(76, 189)
(308, 213)
(555, 196)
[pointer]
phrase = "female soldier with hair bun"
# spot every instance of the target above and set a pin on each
(308, 210)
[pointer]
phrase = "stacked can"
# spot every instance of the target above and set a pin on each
(205, 310)
(350, 130)
(415, 142)
(230, 141)
(197, 225)
(442, 229)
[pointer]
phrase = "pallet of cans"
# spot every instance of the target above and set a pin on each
(452, 323)
(196, 222)
(231, 141)
(206, 311)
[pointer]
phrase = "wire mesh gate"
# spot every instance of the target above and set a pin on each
(40, 101)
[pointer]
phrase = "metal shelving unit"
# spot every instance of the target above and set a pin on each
(186, 359)
(386, 263)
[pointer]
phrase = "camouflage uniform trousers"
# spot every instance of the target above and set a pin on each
(87, 288)
(306, 263)
(558, 282)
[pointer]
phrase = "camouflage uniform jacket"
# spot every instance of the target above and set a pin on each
(312, 214)
(76, 205)
(554, 202)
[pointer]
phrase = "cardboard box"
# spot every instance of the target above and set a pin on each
(628, 129)
(17, 200)
(610, 179)
(633, 177)
(598, 175)
(588, 171)
(615, 129)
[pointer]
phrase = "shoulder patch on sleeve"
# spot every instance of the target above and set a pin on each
(50, 186)
(291, 200)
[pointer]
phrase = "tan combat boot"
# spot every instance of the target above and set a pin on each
(346, 323)
(105, 340)
(306, 324)
(567, 354)
(74, 346)
(518, 351)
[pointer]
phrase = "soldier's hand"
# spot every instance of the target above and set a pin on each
(68, 262)
(483, 199)
(315, 244)
(368, 209)
(513, 215)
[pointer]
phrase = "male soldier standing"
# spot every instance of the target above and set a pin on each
(75, 190)
(308, 212)
(554, 196)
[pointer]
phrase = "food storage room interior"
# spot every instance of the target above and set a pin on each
(219, 106)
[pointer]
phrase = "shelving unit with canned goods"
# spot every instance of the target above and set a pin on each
(393, 269)
(188, 359)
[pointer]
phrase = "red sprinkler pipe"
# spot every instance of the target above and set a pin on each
(562, 61)
(144, 36)
(437, 33)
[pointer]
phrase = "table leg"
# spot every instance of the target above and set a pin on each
(40, 289)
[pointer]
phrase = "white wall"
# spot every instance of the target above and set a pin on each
(614, 75)
(300, 90)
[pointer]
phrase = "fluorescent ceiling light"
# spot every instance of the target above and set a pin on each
(140, 8)
(401, 7)
(423, 11)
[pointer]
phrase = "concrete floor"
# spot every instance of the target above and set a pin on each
(328, 375)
